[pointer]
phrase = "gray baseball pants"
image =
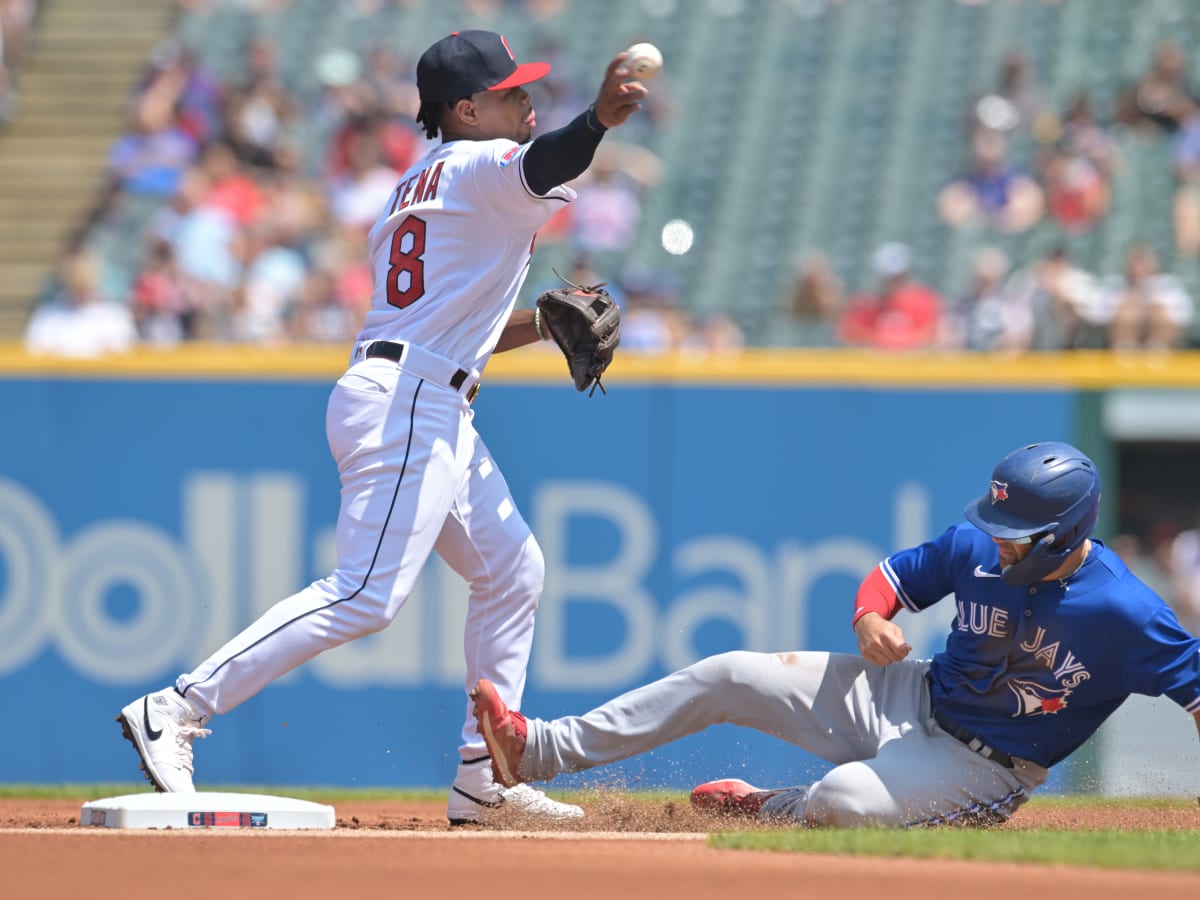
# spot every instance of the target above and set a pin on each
(893, 766)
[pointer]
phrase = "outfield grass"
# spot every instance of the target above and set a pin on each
(1114, 849)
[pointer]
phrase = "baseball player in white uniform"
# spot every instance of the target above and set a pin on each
(449, 252)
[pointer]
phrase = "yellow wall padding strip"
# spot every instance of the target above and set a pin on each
(1087, 370)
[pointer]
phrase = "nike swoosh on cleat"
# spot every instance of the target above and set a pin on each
(150, 732)
(979, 573)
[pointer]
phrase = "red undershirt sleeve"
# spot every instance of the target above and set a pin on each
(875, 594)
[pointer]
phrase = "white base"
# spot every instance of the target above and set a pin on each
(206, 810)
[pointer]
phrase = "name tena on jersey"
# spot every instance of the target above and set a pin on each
(418, 189)
(981, 619)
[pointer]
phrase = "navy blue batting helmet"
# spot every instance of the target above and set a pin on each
(1048, 492)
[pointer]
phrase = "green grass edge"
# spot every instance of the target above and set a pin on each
(1144, 850)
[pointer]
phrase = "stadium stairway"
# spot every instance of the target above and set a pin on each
(86, 58)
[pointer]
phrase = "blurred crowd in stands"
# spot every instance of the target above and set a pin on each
(236, 211)
(1050, 302)
(1167, 558)
(240, 211)
(16, 35)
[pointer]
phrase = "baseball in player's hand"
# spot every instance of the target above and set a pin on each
(880, 641)
(618, 98)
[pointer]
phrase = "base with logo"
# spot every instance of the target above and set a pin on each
(206, 809)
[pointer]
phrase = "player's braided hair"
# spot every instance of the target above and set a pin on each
(430, 115)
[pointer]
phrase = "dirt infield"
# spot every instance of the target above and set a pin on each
(624, 849)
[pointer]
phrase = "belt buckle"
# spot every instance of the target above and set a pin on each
(474, 389)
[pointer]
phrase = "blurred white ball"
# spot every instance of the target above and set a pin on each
(643, 61)
(677, 237)
(997, 113)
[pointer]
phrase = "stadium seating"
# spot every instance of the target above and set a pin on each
(794, 124)
(85, 59)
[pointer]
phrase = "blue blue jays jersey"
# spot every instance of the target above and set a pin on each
(1035, 670)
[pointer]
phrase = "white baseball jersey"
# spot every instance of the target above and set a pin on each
(451, 249)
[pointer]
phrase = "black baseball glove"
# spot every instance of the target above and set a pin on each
(585, 322)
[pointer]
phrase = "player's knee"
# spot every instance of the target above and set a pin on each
(517, 573)
(851, 796)
(371, 609)
(724, 669)
(744, 671)
(375, 614)
(731, 681)
(518, 585)
(531, 568)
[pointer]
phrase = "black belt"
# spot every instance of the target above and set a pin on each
(953, 729)
(395, 352)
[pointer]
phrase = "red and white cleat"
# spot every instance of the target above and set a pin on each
(503, 730)
(730, 797)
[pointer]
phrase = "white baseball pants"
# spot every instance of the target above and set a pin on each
(416, 477)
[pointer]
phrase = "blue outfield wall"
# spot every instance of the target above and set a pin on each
(143, 521)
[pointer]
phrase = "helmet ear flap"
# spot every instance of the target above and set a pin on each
(1041, 560)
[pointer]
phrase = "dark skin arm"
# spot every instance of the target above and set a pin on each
(617, 101)
(519, 331)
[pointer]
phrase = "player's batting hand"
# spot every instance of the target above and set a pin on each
(879, 641)
(618, 98)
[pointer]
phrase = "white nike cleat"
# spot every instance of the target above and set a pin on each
(476, 799)
(161, 726)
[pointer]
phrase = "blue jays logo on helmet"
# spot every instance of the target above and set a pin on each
(999, 491)
(1034, 699)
